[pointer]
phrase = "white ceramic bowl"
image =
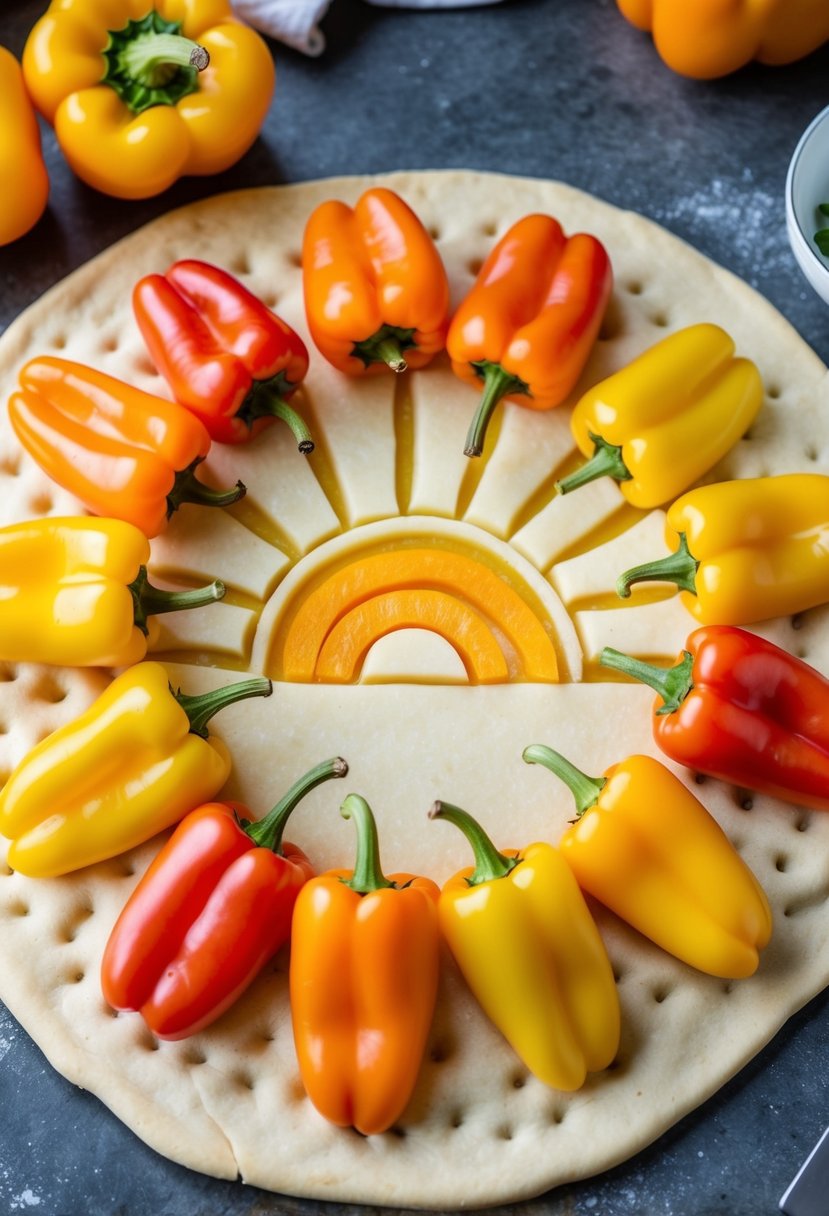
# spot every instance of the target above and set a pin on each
(807, 185)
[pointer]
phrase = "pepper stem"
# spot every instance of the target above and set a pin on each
(188, 488)
(153, 59)
(606, 461)
(672, 684)
(497, 384)
(489, 863)
(584, 789)
(151, 601)
(368, 875)
(267, 832)
(679, 567)
(267, 399)
(148, 62)
(386, 346)
(201, 708)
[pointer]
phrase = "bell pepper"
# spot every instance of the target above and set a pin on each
(525, 941)
(226, 357)
(124, 453)
(214, 906)
(746, 550)
(661, 422)
(363, 980)
(131, 765)
(529, 323)
(741, 709)
(22, 171)
(141, 92)
(376, 292)
(75, 592)
(710, 38)
(646, 848)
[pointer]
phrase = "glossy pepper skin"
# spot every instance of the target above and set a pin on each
(746, 550)
(22, 171)
(646, 848)
(124, 453)
(522, 935)
(131, 765)
(661, 422)
(376, 292)
(214, 906)
(363, 980)
(530, 321)
(739, 708)
(74, 592)
(712, 38)
(226, 357)
(141, 92)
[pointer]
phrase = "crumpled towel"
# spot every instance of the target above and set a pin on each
(296, 22)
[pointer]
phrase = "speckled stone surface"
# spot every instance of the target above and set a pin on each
(550, 88)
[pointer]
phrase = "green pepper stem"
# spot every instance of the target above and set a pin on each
(386, 346)
(679, 567)
(201, 708)
(584, 789)
(267, 399)
(151, 59)
(489, 863)
(497, 384)
(606, 461)
(368, 875)
(188, 488)
(148, 600)
(267, 832)
(672, 684)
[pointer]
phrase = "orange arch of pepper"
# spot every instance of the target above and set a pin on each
(457, 596)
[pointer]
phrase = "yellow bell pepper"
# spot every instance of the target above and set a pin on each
(22, 171)
(134, 763)
(661, 422)
(709, 38)
(748, 550)
(646, 848)
(74, 592)
(141, 92)
(525, 941)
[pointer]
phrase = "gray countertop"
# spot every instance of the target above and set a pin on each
(549, 88)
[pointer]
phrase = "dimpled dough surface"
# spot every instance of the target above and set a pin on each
(478, 1129)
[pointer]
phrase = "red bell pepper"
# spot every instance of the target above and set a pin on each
(214, 906)
(224, 354)
(741, 709)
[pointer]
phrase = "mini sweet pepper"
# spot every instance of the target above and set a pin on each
(529, 323)
(131, 765)
(141, 92)
(22, 171)
(645, 847)
(75, 592)
(661, 422)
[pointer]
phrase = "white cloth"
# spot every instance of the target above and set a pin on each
(296, 22)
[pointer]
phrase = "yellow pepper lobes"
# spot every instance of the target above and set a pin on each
(22, 171)
(746, 550)
(530, 951)
(74, 592)
(142, 92)
(661, 422)
(134, 763)
(646, 848)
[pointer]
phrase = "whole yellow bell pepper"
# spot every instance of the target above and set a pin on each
(746, 550)
(74, 592)
(645, 847)
(661, 422)
(134, 763)
(525, 941)
(141, 92)
(709, 38)
(22, 171)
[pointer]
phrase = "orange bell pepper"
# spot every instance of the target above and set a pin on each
(709, 38)
(22, 171)
(529, 323)
(363, 981)
(376, 292)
